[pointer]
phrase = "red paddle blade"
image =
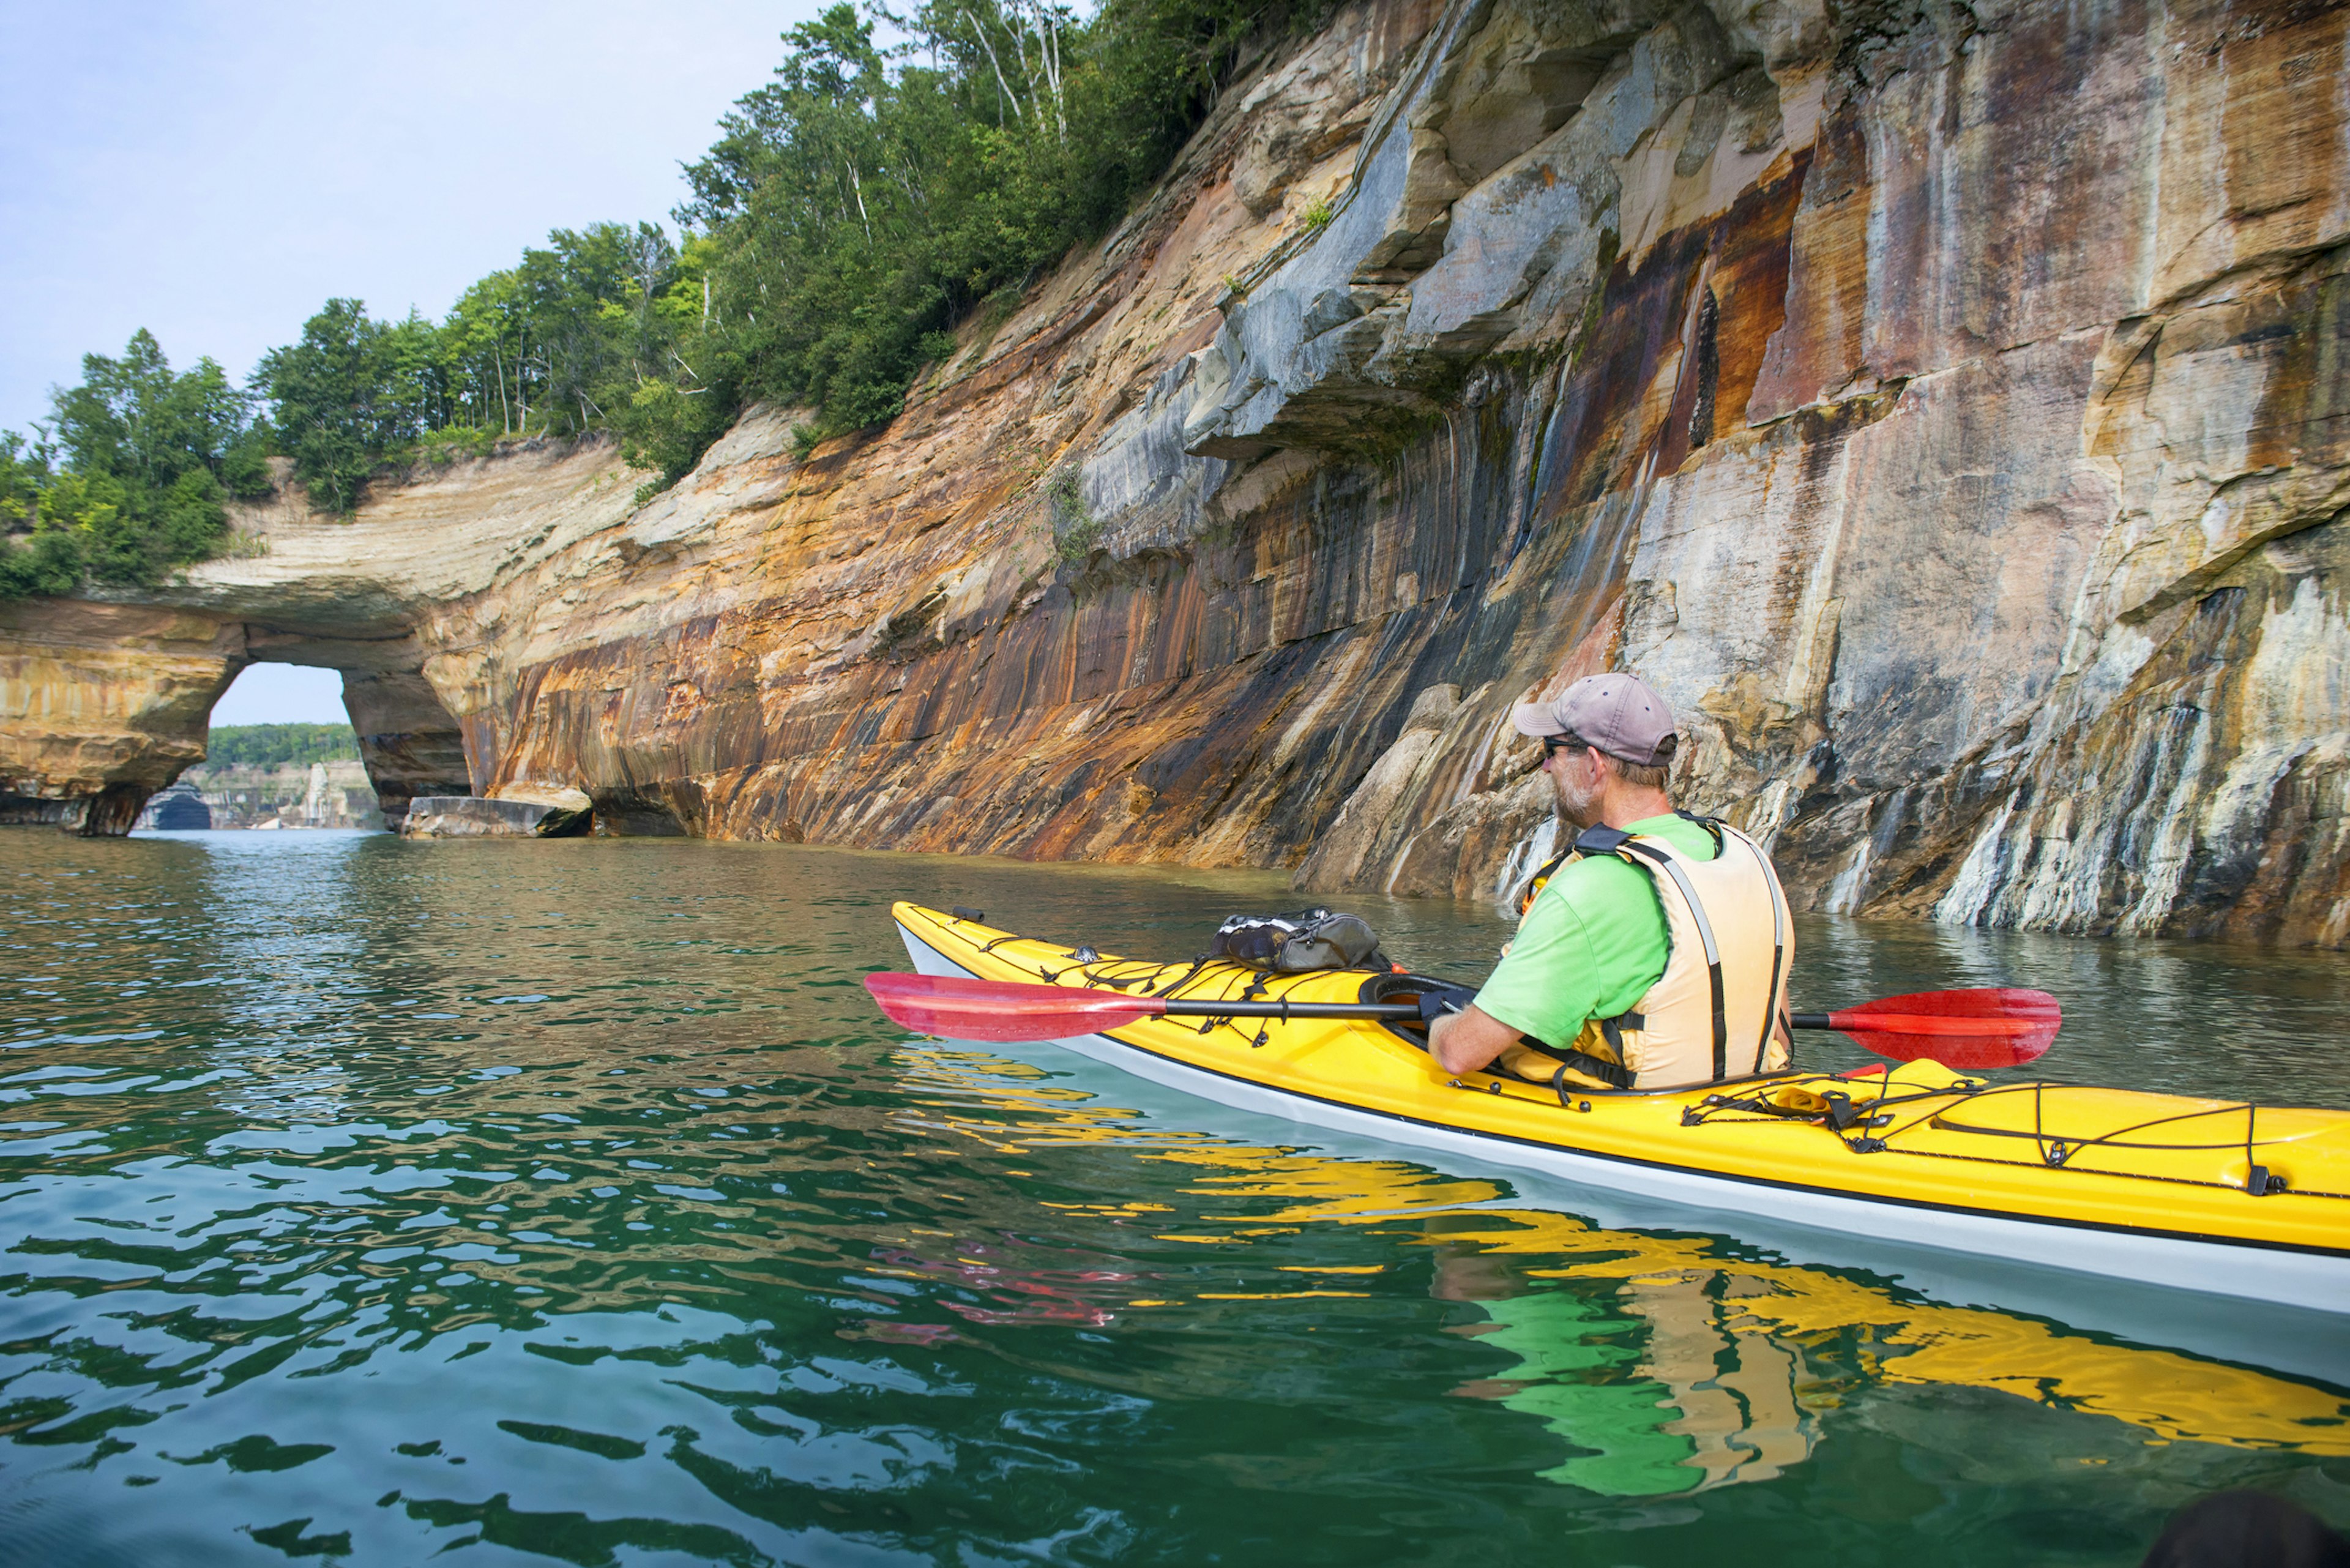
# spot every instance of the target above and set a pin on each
(959, 1008)
(1972, 1031)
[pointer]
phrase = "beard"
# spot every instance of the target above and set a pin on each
(1578, 805)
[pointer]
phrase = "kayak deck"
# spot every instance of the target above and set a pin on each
(2117, 1164)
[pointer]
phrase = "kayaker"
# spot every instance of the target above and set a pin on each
(1654, 952)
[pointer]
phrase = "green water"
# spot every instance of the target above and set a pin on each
(565, 1202)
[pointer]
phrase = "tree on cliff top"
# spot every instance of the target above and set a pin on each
(129, 479)
(545, 347)
(337, 401)
(867, 199)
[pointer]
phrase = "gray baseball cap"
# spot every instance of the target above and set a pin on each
(1619, 714)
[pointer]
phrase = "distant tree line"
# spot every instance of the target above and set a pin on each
(851, 213)
(276, 745)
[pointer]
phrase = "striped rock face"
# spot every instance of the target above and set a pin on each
(1949, 411)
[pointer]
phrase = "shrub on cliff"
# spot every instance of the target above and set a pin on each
(131, 478)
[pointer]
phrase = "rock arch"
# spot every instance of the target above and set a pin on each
(106, 699)
(106, 703)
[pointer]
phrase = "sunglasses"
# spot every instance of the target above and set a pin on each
(1553, 744)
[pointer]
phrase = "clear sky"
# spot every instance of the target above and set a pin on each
(215, 172)
(282, 694)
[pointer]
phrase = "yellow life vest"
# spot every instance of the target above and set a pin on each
(1729, 941)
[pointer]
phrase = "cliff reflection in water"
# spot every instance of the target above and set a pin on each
(362, 1200)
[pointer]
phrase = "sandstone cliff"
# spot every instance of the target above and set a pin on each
(1949, 408)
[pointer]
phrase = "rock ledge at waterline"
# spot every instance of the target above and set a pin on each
(1949, 409)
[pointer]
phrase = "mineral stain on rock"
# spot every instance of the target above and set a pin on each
(1948, 408)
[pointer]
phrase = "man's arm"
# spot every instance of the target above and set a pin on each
(1472, 1038)
(1543, 981)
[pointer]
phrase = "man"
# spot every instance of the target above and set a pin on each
(1655, 951)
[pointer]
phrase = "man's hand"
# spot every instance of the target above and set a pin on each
(1472, 1038)
(1442, 1002)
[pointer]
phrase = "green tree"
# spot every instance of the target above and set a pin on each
(338, 402)
(135, 420)
(865, 200)
(148, 458)
(551, 346)
(24, 474)
(46, 560)
(690, 375)
(276, 746)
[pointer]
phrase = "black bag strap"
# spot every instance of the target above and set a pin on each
(1613, 1073)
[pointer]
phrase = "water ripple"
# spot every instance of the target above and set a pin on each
(363, 1200)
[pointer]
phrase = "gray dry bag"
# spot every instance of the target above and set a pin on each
(1294, 944)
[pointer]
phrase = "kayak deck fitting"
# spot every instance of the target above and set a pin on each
(2147, 1187)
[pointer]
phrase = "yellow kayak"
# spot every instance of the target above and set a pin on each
(2142, 1187)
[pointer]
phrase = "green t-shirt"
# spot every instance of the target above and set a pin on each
(1592, 943)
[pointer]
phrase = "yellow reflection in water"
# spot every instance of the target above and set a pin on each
(1729, 1361)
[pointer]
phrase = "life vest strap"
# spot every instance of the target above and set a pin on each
(1612, 1031)
(1712, 825)
(1712, 953)
(1778, 946)
(1601, 841)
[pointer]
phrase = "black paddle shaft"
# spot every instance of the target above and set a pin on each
(1278, 1009)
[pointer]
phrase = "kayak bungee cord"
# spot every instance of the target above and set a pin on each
(2122, 1174)
(1201, 967)
(2056, 1151)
